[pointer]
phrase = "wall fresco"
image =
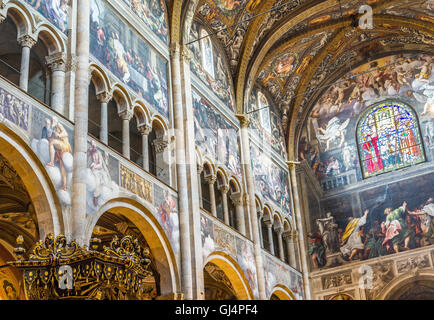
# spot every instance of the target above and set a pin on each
(328, 140)
(215, 136)
(153, 13)
(273, 135)
(102, 176)
(276, 273)
(379, 221)
(271, 181)
(57, 12)
(130, 58)
(51, 140)
(14, 110)
(208, 63)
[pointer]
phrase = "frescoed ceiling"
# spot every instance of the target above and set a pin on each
(305, 44)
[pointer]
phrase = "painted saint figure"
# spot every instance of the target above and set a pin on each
(351, 242)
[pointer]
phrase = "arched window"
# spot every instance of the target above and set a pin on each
(264, 112)
(207, 52)
(388, 138)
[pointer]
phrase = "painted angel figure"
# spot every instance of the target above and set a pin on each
(333, 130)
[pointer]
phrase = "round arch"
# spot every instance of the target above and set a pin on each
(282, 292)
(234, 273)
(400, 285)
(141, 216)
(20, 16)
(36, 180)
(50, 38)
(99, 79)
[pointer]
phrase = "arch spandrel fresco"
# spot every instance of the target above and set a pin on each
(128, 57)
(374, 129)
(57, 12)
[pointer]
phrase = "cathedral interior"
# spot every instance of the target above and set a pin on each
(217, 149)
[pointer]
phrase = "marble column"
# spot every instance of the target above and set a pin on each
(81, 122)
(247, 171)
(126, 116)
(260, 217)
(104, 98)
(270, 236)
(181, 169)
(199, 183)
(290, 237)
(240, 224)
(160, 146)
(298, 218)
(26, 42)
(280, 243)
(145, 130)
(211, 180)
(224, 191)
(57, 64)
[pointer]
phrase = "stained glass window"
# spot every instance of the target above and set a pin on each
(388, 137)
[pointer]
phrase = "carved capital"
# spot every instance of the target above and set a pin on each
(211, 179)
(237, 199)
(56, 62)
(199, 169)
(104, 97)
(145, 129)
(160, 144)
(290, 235)
(174, 49)
(126, 115)
(26, 41)
(71, 65)
(223, 188)
(244, 120)
(186, 53)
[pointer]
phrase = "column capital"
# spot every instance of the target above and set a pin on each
(104, 97)
(211, 179)
(199, 168)
(223, 188)
(174, 49)
(126, 115)
(290, 235)
(244, 120)
(56, 61)
(292, 164)
(160, 144)
(279, 230)
(237, 198)
(144, 129)
(186, 53)
(71, 65)
(26, 41)
(268, 223)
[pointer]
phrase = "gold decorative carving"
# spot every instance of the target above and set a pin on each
(136, 184)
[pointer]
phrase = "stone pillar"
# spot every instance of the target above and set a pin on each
(270, 236)
(81, 122)
(126, 116)
(247, 171)
(260, 217)
(104, 98)
(26, 42)
(290, 238)
(145, 130)
(181, 169)
(280, 243)
(211, 180)
(56, 63)
(298, 218)
(224, 191)
(199, 183)
(240, 224)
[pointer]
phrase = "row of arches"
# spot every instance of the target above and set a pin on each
(121, 216)
(277, 234)
(221, 194)
(33, 57)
